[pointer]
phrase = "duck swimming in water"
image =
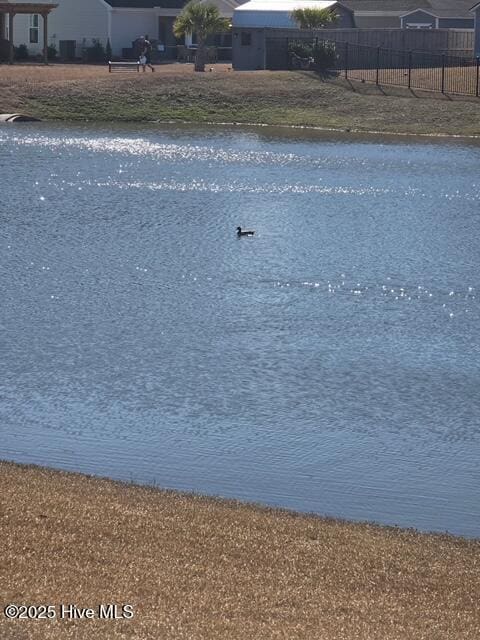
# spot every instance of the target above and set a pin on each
(244, 232)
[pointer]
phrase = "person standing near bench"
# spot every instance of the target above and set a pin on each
(147, 53)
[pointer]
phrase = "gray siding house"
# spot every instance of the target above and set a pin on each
(411, 14)
(476, 12)
(441, 15)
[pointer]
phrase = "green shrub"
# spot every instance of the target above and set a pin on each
(302, 49)
(51, 52)
(95, 53)
(108, 50)
(324, 55)
(21, 52)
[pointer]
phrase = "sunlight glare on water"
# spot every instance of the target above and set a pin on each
(329, 364)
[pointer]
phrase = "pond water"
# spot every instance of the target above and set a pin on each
(328, 364)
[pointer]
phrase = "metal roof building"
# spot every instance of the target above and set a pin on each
(277, 13)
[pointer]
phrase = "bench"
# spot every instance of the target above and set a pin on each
(123, 66)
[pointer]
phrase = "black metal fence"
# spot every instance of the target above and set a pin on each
(454, 74)
(412, 69)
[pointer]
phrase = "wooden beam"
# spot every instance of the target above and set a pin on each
(10, 37)
(45, 37)
(27, 7)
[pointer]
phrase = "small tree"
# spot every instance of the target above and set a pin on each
(201, 18)
(319, 55)
(108, 50)
(51, 52)
(313, 18)
(96, 53)
(324, 55)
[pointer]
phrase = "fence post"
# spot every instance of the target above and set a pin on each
(477, 93)
(378, 64)
(443, 73)
(346, 60)
(409, 69)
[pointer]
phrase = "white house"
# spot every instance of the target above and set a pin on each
(30, 18)
(77, 24)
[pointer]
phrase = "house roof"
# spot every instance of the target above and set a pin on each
(151, 4)
(135, 4)
(438, 8)
(146, 4)
(225, 6)
(285, 5)
(26, 7)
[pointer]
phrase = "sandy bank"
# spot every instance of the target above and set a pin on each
(193, 567)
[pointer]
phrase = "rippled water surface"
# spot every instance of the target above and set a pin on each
(329, 364)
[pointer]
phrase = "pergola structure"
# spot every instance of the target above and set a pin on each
(28, 8)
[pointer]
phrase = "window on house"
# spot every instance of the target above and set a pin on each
(419, 25)
(34, 26)
(246, 39)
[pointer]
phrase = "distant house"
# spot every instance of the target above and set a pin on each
(19, 18)
(476, 12)
(411, 14)
(440, 15)
(77, 24)
(277, 13)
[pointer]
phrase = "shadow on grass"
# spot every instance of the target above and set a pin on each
(321, 74)
(366, 87)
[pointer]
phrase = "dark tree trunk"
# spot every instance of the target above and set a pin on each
(201, 57)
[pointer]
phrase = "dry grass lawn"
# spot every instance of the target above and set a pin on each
(175, 92)
(197, 568)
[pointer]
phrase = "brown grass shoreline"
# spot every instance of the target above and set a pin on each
(195, 567)
(88, 93)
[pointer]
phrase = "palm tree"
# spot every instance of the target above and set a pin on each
(313, 18)
(201, 18)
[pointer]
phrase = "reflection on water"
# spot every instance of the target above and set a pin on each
(328, 364)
